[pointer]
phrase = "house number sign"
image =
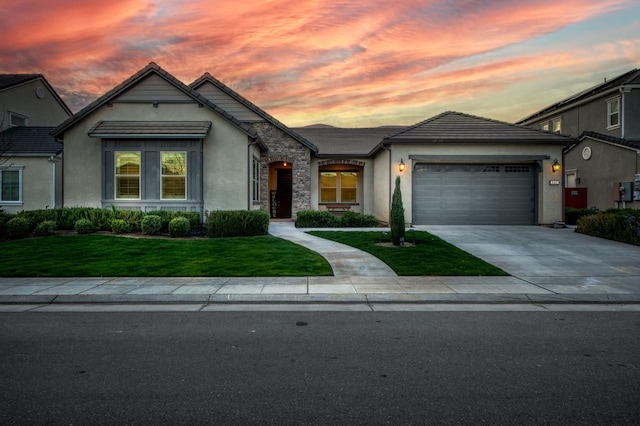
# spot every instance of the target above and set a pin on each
(554, 182)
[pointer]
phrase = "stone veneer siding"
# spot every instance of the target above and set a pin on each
(283, 147)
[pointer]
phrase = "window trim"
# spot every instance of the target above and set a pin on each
(20, 116)
(186, 174)
(20, 200)
(610, 102)
(558, 120)
(116, 175)
(338, 187)
(255, 179)
(544, 126)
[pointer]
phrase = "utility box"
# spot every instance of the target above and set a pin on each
(575, 198)
(623, 191)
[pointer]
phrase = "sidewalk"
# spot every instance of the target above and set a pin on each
(359, 278)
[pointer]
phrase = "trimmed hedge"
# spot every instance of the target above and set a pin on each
(237, 223)
(572, 215)
(179, 227)
(4, 218)
(617, 225)
(325, 219)
(120, 226)
(17, 228)
(84, 226)
(151, 224)
(46, 228)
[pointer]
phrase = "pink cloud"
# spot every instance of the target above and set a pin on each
(287, 55)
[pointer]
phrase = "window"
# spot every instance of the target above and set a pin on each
(255, 180)
(174, 175)
(11, 185)
(556, 125)
(545, 126)
(17, 120)
(613, 113)
(338, 187)
(128, 175)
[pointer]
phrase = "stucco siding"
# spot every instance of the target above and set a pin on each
(153, 88)
(37, 183)
(631, 111)
(381, 183)
(22, 99)
(607, 165)
(549, 197)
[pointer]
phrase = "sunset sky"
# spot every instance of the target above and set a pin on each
(345, 63)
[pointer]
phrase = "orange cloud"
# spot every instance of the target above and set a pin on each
(299, 60)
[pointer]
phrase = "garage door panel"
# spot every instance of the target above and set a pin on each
(473, 194)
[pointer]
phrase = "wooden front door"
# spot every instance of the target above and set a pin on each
(284, 193)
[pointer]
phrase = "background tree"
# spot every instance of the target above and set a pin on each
(397, 215)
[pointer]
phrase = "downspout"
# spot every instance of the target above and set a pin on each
(390, 182)
(250, 169)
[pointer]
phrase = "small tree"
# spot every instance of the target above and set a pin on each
(397, 215)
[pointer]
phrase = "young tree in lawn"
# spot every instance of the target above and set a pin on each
(397, 215)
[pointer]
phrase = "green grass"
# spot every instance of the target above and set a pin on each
(112, 256)
(429, 256)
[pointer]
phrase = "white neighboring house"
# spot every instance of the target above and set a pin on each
(30, 157)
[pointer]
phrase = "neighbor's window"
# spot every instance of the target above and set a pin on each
(128, 175)
(613, 113)
(556, 125)
(255, 180)
(17, 120)
(545, 126)
(11, 185)
(338, 187)
(174, 175)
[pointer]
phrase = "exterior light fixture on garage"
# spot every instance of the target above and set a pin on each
(401, 165)
(555, 166)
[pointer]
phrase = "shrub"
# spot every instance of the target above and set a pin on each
(397, 215)
(4, 218)
(84, 226)
(151, 224)
(46, 228)
(316, 219)
(120, 226)
(17, 227)
(572, 215)
(623, 226)
(237, 223)
(132, 217)
(358, 220)
(179, 227)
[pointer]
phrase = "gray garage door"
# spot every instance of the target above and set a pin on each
(473, 194)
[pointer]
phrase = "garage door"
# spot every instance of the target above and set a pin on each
(473, 194)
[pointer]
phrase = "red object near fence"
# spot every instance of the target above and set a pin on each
(575, 198)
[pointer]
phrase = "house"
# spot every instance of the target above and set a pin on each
(153, 142)
(605, 120)
(30, 158)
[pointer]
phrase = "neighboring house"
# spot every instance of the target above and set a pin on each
(30, 158)
(153, 143)
(606, 121)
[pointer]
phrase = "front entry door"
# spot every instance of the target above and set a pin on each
(283, 193)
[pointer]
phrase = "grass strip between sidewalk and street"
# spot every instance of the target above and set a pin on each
(114, 256)
(424, 253)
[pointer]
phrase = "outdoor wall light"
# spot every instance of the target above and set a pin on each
(555, 166)
(401, 165)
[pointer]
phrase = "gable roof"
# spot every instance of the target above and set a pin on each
(31, 140)
(609, 139)
(354, 142)
(456, 127)
(8, 81)
(630, 77)
(153, 68)
(208, 78)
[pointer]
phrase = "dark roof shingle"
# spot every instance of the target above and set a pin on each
(30, 140)
(335, 141)
(134, 129)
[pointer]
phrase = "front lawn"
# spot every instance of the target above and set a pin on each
(429, 256)
(112, 256)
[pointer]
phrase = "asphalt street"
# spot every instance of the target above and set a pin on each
(320, 368)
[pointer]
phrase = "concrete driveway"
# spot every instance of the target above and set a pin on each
(558, 260)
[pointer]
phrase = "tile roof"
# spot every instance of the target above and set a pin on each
(629, 77)
(30, 140)
(206, 77)
(355, 142)
(152, 67)
(456, 127)
(136, 129)
(8, 80)
(610, 139)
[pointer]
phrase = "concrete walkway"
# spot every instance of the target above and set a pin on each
(344, 260)
(548, 266)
